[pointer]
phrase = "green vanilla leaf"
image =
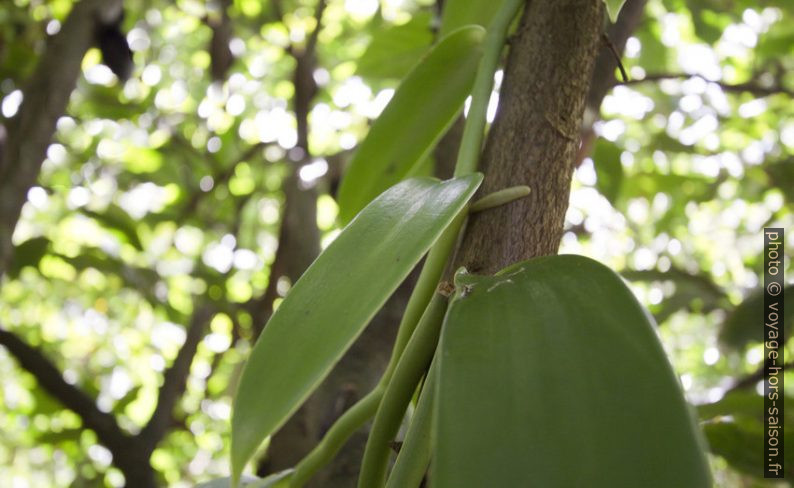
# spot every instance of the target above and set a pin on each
(613, 8)
(551, 375)
(423, 107)
(333, 301)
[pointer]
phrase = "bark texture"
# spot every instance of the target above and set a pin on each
(535, 136)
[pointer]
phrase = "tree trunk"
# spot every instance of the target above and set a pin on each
(535, 136)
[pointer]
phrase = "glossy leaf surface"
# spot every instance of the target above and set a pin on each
(554, 363)
(337, 296)
(424, 105)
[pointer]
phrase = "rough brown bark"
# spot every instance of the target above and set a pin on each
(45, 98)
(535, 135)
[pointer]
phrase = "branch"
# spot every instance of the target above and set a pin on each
(311, 44)
(608, 42)
(303, 80)
(51, 380)
(174, 380)
(752, 86)
(45, 98)
(603, 78)
(754, 377)
(261, 308)
(127, 453)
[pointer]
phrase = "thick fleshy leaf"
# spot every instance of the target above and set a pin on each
(551, 375)
(332, 302)
(422, 108)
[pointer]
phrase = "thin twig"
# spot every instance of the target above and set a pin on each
(311, 43)
(129, 454)
(614, 51)
(174, 380)
(751, 86)
(754, 377)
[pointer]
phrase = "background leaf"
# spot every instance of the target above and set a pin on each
(745, 324)
(335, 298)
(395, 50)
(734, 427)
(609, 170)
(554, 362)
(28, 253)
(422, 108)
(458, 13)
(115, 219)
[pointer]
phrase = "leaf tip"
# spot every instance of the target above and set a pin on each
(613, 8)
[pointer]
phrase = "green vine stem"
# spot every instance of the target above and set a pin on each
(422, 293)
(337, 435)
(468, 159)
(413, 364)
(474, 130)
(365, 408)
(414, 456)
